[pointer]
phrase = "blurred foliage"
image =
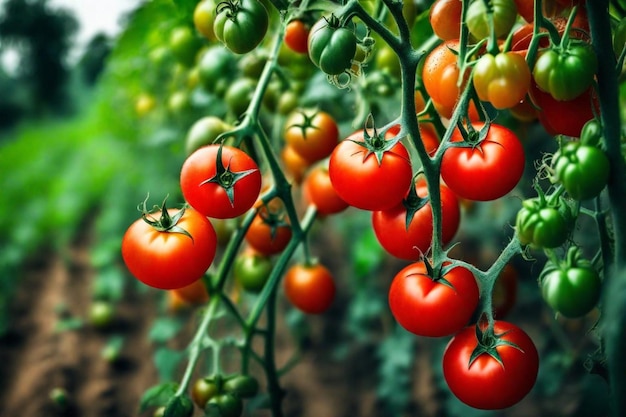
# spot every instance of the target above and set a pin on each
(43, 37)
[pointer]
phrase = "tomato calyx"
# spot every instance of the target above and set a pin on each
(274, 219)
(166, 222)
(413, 203)
(226, 178)
(307, 122)
(376, 144)
(472, 138)
(488, 342)
(229, 7)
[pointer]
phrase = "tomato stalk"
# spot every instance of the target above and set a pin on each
(614, 333)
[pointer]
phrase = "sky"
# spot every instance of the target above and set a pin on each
(94, 16)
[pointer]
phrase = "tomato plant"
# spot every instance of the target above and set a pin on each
(433, 306)
(457, 90)
(491, 369)
(487, 168)
(170, 248)
(220, 181)
(310, 288)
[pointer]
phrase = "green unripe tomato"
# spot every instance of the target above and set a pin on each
(251, 271)
(583, 170)
(504, 17)
(203, 390)
(204, 132)
(216, 68)
(566, 73)
(224, 405)
(331, 47)
(239, 94)
(242, 386)
(101, 314)
(540, 225)
(573, 288)
(184, 45)
(241, 25)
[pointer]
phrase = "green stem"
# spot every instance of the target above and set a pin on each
(488, 278)
(273, 384)
(196, 346)
(614, 325)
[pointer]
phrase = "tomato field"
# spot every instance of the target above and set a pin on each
(315, 208)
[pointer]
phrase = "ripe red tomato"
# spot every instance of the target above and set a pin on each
(310, 288)
(413, 241)
(220, 188)
(445, 19)
(312, 134)
(295, 165)
(427, 134)
(488, 170)
(440, 75)
(269, 232)
(164, 257)
(319, 191)
(564, 117)
(297, 36)
(433, 308)
(194, 293)
(485, 382)
(369, 176)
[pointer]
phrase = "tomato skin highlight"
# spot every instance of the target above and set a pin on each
(311, 289)
(169, 260)
(486, 384)
(210, 198)
(486, 171)
(362, 182)
(426, 307)
(393, 235)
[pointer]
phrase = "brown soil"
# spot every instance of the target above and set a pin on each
(37, 359)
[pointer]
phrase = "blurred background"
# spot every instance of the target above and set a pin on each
(94, 110)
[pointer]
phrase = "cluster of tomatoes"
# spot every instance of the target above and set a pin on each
(549, 77)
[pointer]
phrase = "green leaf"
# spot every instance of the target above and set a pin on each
(367, 254)
(179, 406)
(157, 395)
(164, 329)
(167, 361)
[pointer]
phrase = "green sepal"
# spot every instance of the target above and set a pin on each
(488, 341)
(165, 223)
(226, 178)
